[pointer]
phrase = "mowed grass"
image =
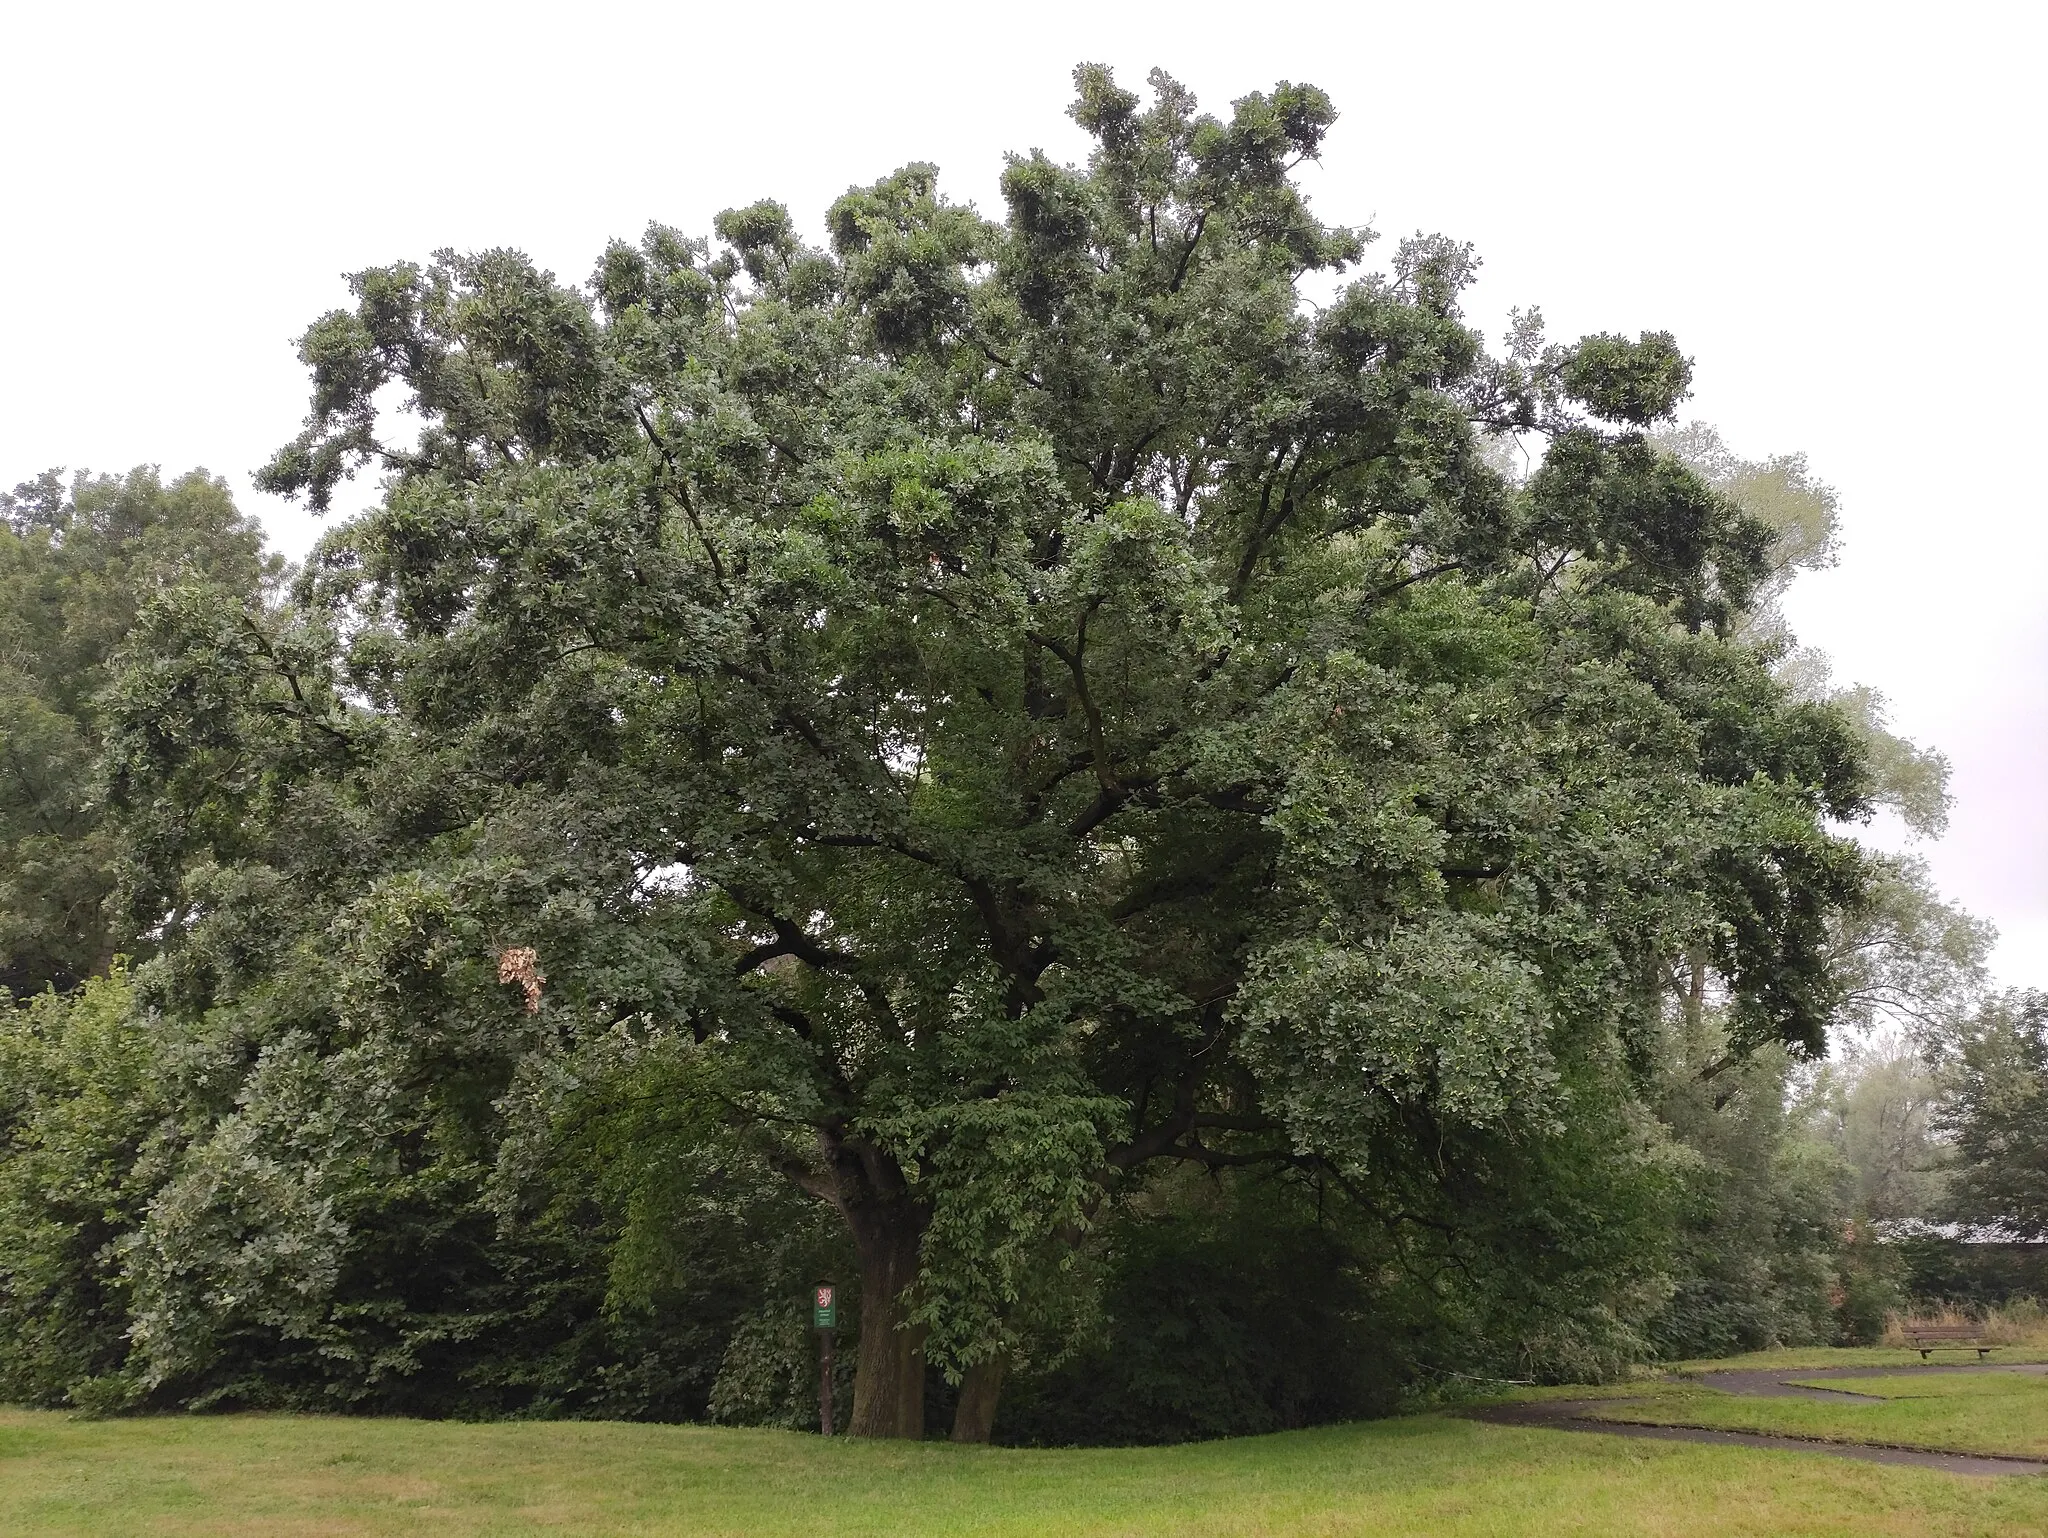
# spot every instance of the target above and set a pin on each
(1996, 1412)
(1437, 1475)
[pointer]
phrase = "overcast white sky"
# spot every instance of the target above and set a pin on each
(1838, 208)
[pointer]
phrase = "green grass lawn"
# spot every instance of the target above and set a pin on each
(290, 1476)
(1991, 1413)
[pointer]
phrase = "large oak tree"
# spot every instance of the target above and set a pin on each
(1010, 706)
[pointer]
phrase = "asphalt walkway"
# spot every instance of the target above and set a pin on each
(1775, 1383)
(1779, 1383)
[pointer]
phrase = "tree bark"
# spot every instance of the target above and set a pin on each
(975, 1416)
(888, 1384)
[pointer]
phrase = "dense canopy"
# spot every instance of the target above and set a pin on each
(982, 731)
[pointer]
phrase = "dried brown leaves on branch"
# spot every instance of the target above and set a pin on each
(521, 964)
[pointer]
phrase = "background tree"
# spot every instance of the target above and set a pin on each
(1911, 965)
(1879, 1107)
(1782, 493)
(76, 563)
(1809, 1185)
(1998, 1116)
(1756, 1248)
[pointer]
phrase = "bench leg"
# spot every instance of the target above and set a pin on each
(1924, 1352)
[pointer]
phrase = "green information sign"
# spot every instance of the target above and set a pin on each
(825, 1320)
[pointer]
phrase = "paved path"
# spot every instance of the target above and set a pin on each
(1776, 1383)
(1784, 1383)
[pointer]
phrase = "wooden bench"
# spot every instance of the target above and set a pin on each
(1929, 1338)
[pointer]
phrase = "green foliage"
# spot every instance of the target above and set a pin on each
(1877, 1106)
(1782, 492)
(1913, 781)
(1756, 1258)
(1807, 1191)
(1937, 1269)
(76, 563)
(82, 1152)
(1871, 1290)
(876, 756)
(703, 1252)
(1907, 961)
(1639, 382)
(1223, 1313)
(1801, 512)
(1245, 1301)
(195, 1217)
(1998, 1116)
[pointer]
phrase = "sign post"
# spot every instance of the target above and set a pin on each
(825, 1319)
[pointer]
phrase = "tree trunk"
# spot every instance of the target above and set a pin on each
(975, 1416)
(888, 1383)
